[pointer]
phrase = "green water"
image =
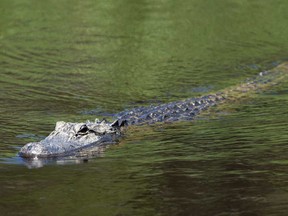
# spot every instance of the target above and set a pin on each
(77, 60)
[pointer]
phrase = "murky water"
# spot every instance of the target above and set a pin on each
(78, 60)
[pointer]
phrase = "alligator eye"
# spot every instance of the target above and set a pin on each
(83, 129)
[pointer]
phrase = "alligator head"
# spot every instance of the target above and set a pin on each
(70, 138)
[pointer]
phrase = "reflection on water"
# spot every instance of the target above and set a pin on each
(80, 60)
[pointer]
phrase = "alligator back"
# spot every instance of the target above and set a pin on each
(190, 108)
(174, 111)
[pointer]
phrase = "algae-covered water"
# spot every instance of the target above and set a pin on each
(78, 60)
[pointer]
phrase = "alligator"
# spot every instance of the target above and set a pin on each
(70, 139)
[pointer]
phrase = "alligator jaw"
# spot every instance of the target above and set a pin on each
(69, 138)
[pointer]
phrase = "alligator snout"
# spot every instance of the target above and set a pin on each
(31, 150)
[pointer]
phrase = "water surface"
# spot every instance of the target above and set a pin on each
(78, 60)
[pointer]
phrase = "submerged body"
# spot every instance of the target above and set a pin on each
(71, 138)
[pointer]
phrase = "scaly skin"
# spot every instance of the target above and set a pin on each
(71, 138)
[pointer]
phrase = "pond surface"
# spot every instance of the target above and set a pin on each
(78, 60)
